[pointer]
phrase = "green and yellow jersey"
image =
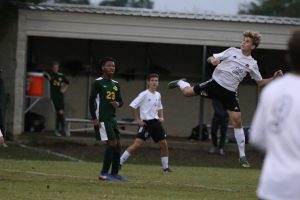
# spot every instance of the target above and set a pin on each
(103, 92)
(56, 82)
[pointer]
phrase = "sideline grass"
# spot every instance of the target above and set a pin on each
(50, 178)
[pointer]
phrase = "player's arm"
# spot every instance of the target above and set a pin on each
(119, 101)
(1, 138)
(47, 75)
(212, 60)
(161, 115)
(92, 104)
(216, 58)
(65, 85)
(264, 82)
(136, 115)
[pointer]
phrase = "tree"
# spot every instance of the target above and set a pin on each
(128, 3)
(282, 8)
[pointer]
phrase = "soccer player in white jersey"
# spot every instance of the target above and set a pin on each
(233, 65)
(275, 129)
(149, 117)
(1, 138)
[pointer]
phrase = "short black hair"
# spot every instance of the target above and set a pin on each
(103, 60)
(294, 50)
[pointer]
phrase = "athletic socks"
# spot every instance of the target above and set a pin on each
(240, 139)
(115, 162)
(108, 157)
(182, 84)
(124, 157)
(165, 162)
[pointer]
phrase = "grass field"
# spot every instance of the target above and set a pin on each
(35, 175)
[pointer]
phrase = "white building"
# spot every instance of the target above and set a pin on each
(174, 44)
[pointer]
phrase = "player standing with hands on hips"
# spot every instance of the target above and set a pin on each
(232, 65)
(108, 93)
(149, 117)
(275, 129)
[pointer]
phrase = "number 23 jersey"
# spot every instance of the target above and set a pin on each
(103, 92)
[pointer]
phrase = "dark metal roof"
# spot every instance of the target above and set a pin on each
(107, 10)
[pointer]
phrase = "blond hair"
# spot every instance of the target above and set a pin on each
(255, 36)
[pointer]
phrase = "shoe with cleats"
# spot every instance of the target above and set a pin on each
(174, 84)
(166, 170)
(119, 178)
(244, 162)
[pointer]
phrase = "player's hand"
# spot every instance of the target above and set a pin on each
(161, 119)
(63, 89)
(115, 104)
(278, 73)
(214, 61)
(140, 122)
(96, 123)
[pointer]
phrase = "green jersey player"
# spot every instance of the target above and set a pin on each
(58, 86)
(106, 93)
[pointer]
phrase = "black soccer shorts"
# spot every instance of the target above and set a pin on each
(211, 89)
(152, 128)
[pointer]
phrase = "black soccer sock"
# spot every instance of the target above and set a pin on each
(57, 122)
(107, 160)
(116, 162)
(61, 122)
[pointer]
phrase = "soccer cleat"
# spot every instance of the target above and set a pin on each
(244, 162)
(57, 133)
(167, 170)
(119, 178)
(103, 176)
(221, 152)
(107, 177)
(174, 84)
(4, 145)
(213, 150)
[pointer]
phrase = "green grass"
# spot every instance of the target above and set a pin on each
(26, 174)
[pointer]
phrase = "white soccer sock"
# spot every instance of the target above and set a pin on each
(165, 162)
(240, 140)
(124, 157)
(182, 84)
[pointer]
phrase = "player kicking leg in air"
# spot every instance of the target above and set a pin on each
(149, 118)
(232, 65)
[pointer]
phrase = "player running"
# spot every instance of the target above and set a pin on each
(233, 65)
(149, 117)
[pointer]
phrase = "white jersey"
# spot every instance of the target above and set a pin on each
(1, 133)
(149, 104)
(276, 129)
(233, 68)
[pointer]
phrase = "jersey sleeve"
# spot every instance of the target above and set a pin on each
(65, 80)
(119, 96)
(138, 100)
(92, 100)
(254, 73)
(257, 131)
(223, 55)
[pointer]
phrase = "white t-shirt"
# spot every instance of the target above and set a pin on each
(233, 68)
(276, 129)
(149, 104)
(1, 133)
